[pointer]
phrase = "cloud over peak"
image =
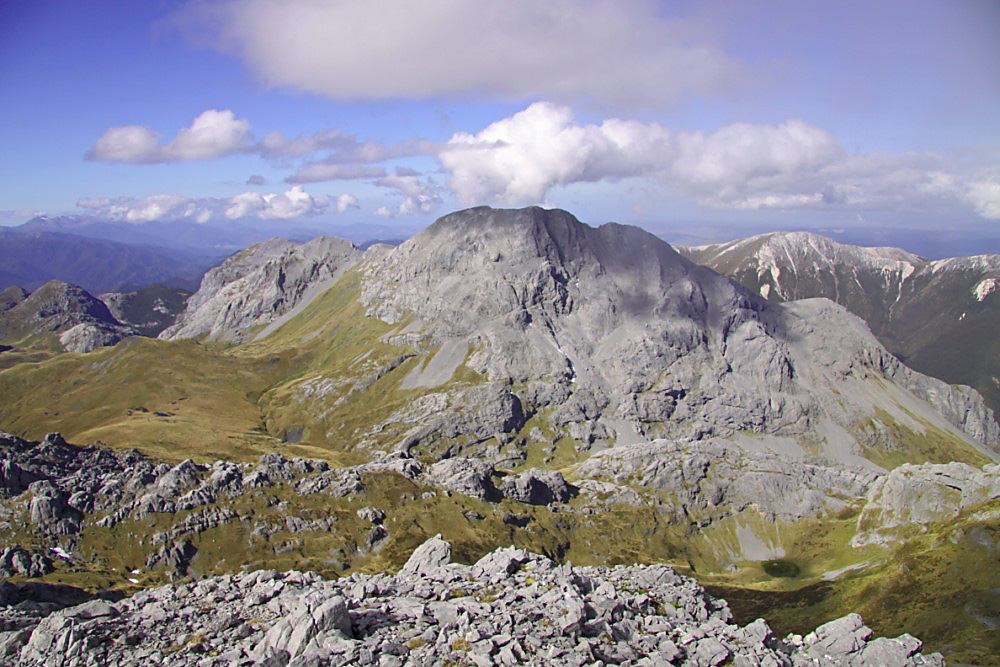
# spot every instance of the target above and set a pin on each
(791, 165)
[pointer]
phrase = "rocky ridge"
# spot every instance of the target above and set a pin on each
(258, 285)
(930, 313)
(615, 337)
(82, 321)
(511, 607)
(66, 496)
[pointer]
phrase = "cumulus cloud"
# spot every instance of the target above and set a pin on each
(518, 159)
(419, 196)
(292, 203)
(212, 134)
(985, 198)
(346, 202)
(612, 52)
(792, 165)
(20, 213)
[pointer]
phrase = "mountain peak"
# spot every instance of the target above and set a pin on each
(507, 237)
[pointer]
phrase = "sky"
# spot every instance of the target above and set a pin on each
(811, 114)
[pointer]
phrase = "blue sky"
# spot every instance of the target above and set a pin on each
(796, 113)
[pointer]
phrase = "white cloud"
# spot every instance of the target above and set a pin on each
(93, 202)
(383, 212)
(518, 160)
(292, 203)
(212, 134)
(20, 213)
(612, 52)
(985, 198)
(276, 145)
(155, 207)
(419, 196)
(346, 202)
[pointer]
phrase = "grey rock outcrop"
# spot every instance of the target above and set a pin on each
(470, 477)
(510, 608)
(613, 336)
(916, 495)
(711, 479)
(922, 310)
(82, 322)
(16, 561)
(537, 487)
(261, 284)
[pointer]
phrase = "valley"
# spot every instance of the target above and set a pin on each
(518, 378)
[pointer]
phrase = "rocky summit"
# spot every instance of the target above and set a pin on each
(511, 607)
(508, 379)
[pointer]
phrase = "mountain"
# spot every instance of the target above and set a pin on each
(149, 310)
(940, 317)
(518, 377)
(210, 240)
(81, 321)
(30, 259)
(262, 283)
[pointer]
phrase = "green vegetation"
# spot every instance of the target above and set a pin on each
(939, 585)
(894, 443)
(327, 373)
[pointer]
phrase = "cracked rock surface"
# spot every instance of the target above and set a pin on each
(509, 608)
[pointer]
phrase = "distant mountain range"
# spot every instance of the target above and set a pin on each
(30, 259)
(212, 239)
(940, 317)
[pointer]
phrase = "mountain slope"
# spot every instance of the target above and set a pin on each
(528, 336)
(81, 321)
(518, 377)
(507, 333)
(261, 284)
(149, 310)
(939, 316)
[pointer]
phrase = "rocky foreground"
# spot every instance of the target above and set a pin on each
(511, 607)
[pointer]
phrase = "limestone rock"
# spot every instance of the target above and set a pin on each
(82, 321)
(261, 284)
(512, 607)
(537, 487)
(920, 494)
(614, 337)
(432, 554)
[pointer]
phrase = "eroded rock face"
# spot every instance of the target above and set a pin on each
(711, 479)
(613, 336)
(511, 607)
(16, 561)
(260, 284)
(913, 495)
(82, 321)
